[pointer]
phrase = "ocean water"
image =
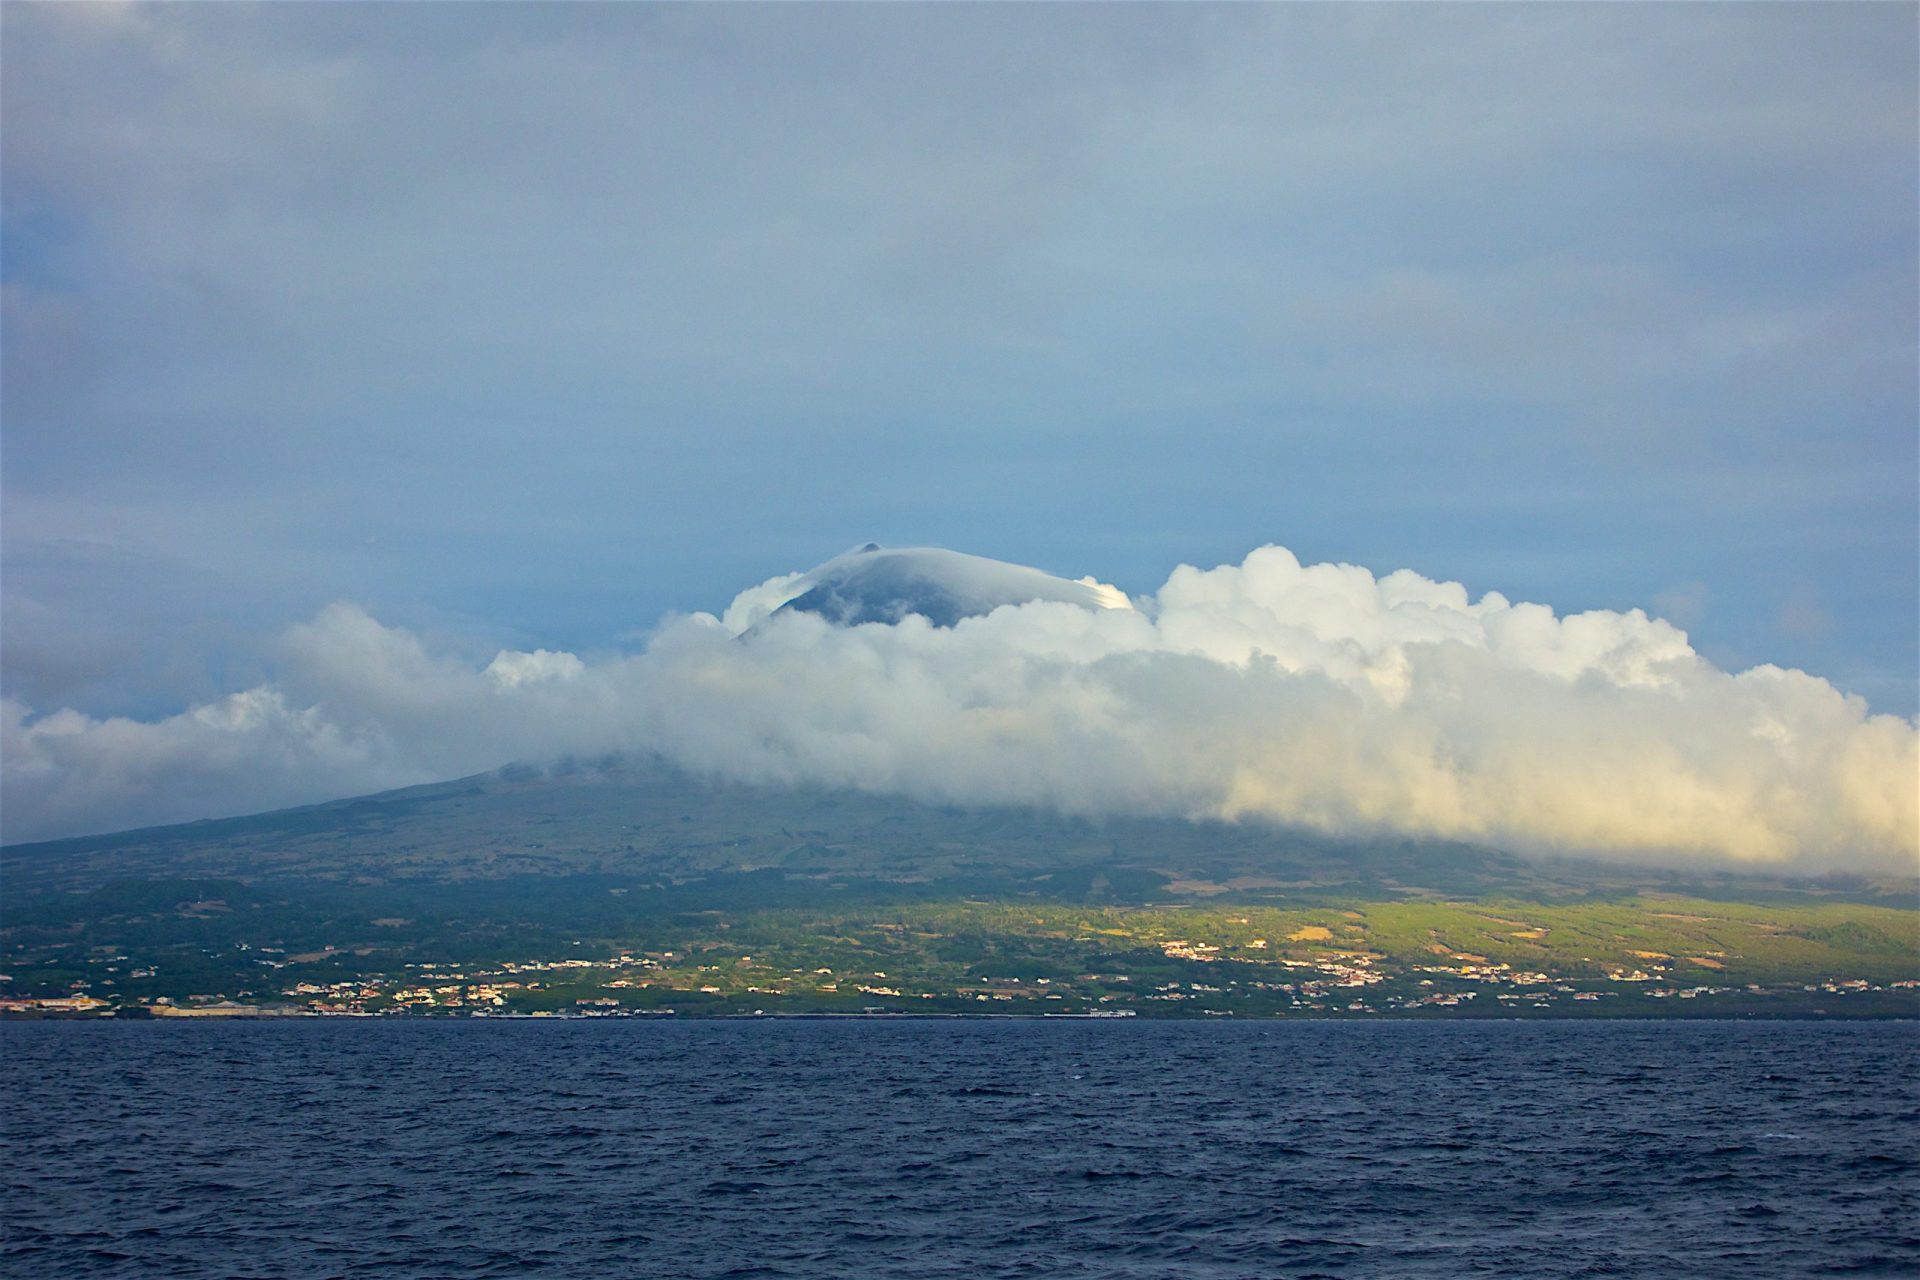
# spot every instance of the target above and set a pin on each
(964, 1149)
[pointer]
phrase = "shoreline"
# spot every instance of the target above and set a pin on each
(674, 1018)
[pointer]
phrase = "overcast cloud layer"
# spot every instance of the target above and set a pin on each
(524, 324)
(1265, 690)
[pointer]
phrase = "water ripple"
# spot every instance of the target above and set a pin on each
(928, 1149)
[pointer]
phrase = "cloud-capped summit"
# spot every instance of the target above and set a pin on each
(886, 584)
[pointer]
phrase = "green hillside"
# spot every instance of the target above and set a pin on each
(523, 892)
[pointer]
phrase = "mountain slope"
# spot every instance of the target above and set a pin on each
(645, 818)
(630, 884)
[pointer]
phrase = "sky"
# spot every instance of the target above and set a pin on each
(533, 328)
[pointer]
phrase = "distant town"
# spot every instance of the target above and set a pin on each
(1303, 973)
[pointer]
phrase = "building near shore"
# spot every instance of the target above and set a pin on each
(219, 1009)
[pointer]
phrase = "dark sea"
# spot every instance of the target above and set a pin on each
(966, 1149)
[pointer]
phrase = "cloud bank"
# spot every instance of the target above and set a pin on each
(1319, 695)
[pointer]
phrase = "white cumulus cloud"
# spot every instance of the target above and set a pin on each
(1318, 695)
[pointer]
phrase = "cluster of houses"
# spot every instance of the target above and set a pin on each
(1334, 981)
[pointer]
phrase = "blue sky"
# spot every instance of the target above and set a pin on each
(526, 325)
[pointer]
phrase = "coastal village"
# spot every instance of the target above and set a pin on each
(1304, 974)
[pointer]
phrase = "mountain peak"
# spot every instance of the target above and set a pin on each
(885, 584)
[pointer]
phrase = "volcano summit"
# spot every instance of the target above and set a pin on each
(887, 584)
